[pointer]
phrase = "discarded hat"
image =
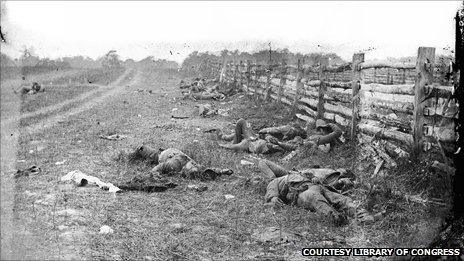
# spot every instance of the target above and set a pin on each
(321, 124)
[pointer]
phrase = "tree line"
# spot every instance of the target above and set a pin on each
(110, 60)
(195, 59)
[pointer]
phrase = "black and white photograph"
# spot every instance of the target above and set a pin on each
(232, 130)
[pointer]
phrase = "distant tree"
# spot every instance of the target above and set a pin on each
(28, 58)
(195, 60)
(81, 62)
(111, 60)
(6, 61)
(224, 53)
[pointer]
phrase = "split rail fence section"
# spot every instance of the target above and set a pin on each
(407, 105)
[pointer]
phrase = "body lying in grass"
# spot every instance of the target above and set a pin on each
(291, 137)
(168, 162)
(33, 90)
(173, 161)
(198, 90)
(315, 189)
(203, 95)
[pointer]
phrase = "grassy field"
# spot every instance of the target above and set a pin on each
(183, 224)
(67, 87)
(53, 94)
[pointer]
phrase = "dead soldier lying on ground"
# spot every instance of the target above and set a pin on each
(206, 110)
(326, 137)
(315, 189)
(244, 140)
(206, 95)
(168, 162)
(33, 90)
(199, 91)
(292, 137)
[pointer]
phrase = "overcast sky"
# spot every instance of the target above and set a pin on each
(140, 29)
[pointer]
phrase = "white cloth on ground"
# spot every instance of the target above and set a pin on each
(82, 179)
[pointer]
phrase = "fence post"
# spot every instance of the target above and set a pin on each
(358, 58)
(228, 71)
(214, 69)
(234, 65)
(321, 90)
(298, 87)
(268, 83)
(424, 77)
(240, 74)
(222, 75)
(248, 76)
(220, 66)
(283, 81)
(255, 82)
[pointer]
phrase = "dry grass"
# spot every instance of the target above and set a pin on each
(183, 224)
(67, 87)
(96, 76)
(52, 95)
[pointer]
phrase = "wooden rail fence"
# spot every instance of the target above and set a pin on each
(408, 105)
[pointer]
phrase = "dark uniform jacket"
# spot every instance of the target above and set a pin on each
(288, 187)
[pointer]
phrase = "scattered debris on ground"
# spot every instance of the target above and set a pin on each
(113, 137)
(228, 196)
(142, 90)
(223, 112)
(179, 117)
(197, 188)
(106, 230)
(60, 162)
(26, 172)
(178, 227)
(245, 162)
